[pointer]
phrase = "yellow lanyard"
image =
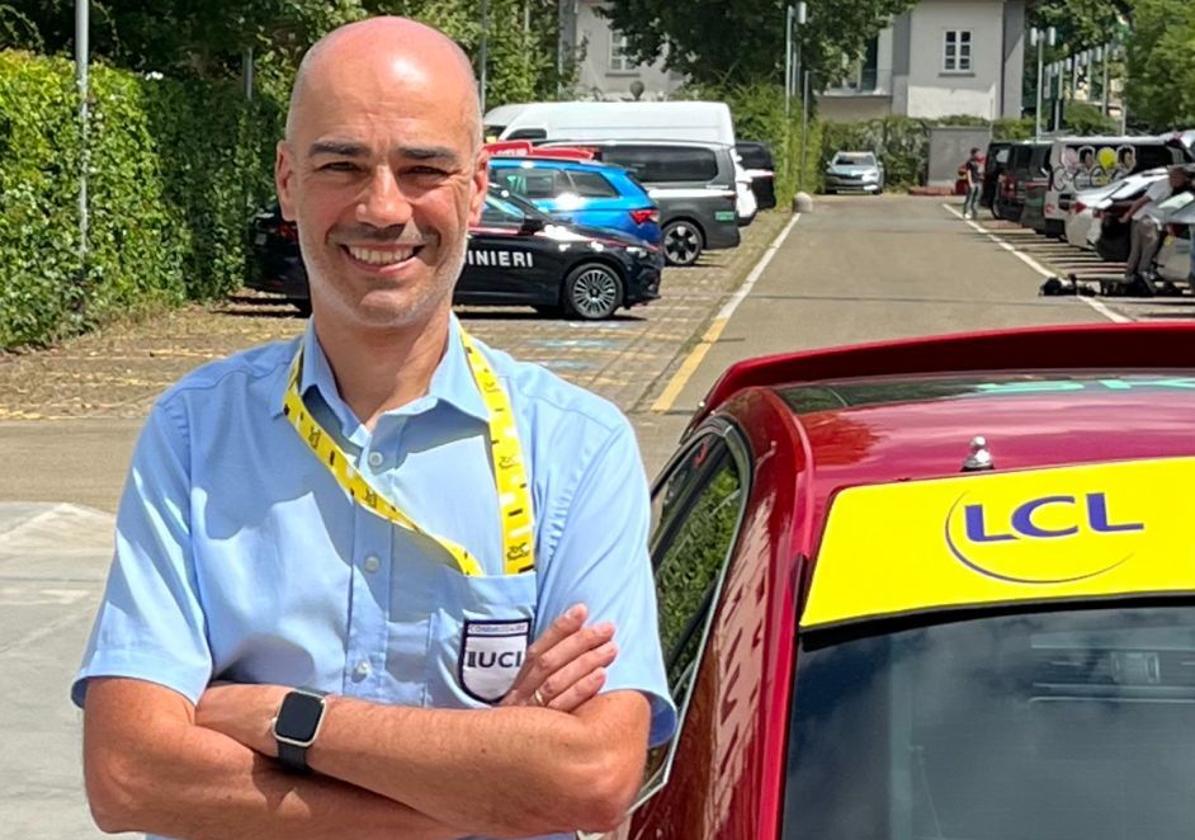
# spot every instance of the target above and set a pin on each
(510, 473)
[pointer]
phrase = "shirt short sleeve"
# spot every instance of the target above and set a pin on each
(150, 624)
(601, 560)
(1159, 191)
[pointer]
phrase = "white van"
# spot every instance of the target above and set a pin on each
(580, 121)
(1083, 163)
(683, 120)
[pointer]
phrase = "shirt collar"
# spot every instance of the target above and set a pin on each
(452, 381)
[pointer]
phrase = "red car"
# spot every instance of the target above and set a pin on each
(941, 588)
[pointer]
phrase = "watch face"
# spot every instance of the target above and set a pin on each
(299, 717)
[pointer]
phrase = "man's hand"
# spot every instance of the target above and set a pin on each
(566, 665)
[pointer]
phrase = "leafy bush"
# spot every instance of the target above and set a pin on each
(758, 111)
(174, 172)
(1011, 128)
(40, 265)
(1086, 119)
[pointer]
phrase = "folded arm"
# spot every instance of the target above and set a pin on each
(149, 767)
(509, 771)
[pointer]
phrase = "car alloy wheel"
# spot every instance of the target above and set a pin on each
(592, 292)
(682, 243)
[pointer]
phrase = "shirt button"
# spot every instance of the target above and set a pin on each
(362, 670)
(376, 459)
(372, 563)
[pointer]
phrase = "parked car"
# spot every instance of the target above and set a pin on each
(516, 256)
(856, 171)
(876, 626)
(756, 158)
(692, 183)
(1026, 163)
(1033, 211)
(680, 119)
(1113, 242)
(1078, 163)
(995, 162)
(1082, 223)
(595, 195)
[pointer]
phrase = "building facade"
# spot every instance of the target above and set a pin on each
(940, 58)
(604, 71)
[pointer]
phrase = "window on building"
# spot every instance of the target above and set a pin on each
(619, 62)
(956, 57)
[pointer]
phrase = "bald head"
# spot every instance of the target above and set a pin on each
(382, 49)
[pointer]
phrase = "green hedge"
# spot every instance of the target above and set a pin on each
(175, 171)
(758, 111)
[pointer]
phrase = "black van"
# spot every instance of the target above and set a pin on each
(692, 183)
(757, 160)
(1026, 163)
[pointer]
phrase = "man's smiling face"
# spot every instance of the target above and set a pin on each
(381, 171)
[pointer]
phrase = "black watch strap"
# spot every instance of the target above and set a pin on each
(293, 758)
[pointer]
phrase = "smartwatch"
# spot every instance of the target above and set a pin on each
(297, 725)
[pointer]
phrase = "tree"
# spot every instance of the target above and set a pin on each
(207, 38)
(1161, 64)
(1082, 23)
(203, 38)
(715, 42)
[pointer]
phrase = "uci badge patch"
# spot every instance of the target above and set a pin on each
(491, 655)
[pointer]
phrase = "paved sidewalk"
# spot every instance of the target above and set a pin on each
(53, 561)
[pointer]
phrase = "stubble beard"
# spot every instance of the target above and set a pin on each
(420, 302)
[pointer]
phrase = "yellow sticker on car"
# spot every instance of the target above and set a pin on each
(986, 539)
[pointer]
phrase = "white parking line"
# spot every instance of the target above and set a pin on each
(693, 360)
(1098, 306)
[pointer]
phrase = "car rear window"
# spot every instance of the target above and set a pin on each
(592, 185)
(664, 164)
(531, 182)
(755, 156)
(1038, 159)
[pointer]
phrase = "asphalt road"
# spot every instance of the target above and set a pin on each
(856, 269)
(866, 268)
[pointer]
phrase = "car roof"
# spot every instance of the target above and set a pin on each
(556, 163)
(647, 141)
(892, 411)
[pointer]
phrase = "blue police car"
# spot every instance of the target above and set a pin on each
(595, 195)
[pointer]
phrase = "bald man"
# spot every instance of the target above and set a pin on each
(382, 580)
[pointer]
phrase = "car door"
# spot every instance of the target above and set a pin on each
(698, 507)
(595, 201)
(507, 260)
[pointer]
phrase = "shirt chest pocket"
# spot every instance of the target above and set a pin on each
(479, 631)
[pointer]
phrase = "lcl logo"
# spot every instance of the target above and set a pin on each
(1023, 524)
(1024, 543)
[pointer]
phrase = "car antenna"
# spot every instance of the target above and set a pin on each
(980, 457)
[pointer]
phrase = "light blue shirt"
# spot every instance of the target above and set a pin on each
(239, 557)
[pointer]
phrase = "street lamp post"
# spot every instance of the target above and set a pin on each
(82, 58)
(483, 58)
(1039, 38)
(1104, 53)
(799, 16)
(788, 59)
